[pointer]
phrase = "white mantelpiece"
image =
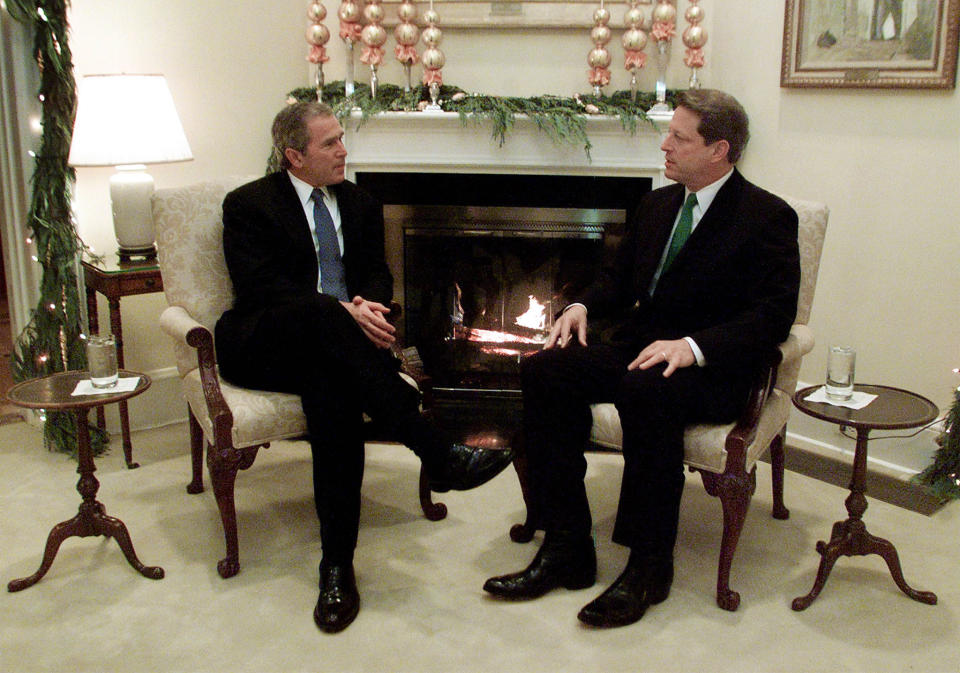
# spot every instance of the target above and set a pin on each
(440, 142)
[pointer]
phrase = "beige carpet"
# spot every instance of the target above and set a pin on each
(422, 604)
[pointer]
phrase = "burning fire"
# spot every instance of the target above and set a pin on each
(534, 317)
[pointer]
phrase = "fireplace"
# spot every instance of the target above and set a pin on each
(482, 262)
(475, 228)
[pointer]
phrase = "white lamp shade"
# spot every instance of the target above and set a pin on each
(126, 119)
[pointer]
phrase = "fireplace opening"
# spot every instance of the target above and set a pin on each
(482, 284)
(481, 264)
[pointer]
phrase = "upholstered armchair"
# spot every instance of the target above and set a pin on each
(233, 422)
(726, 455)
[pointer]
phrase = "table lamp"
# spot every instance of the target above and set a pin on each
(128, 121)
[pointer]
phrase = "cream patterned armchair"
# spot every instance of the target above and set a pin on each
(726, 455)
(233, 422)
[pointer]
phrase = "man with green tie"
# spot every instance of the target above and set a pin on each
(703, 286)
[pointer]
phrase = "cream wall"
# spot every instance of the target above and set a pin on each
(887, 163)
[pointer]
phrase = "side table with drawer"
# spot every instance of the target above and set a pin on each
(115, 279)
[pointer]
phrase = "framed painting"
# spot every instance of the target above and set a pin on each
(907, 44)
(506, 13)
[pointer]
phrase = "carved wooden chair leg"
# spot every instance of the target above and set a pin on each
(223, 476)
(196, 454)
(431, 510)
(734, 493)
(780, 511)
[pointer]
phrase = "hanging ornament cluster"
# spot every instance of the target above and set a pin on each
(599, 58)
(317, 36)
(350, 29)
(407, 35)
(663, 30)
(373, 36)
(433, 58)
(694, 37)
(634, 40)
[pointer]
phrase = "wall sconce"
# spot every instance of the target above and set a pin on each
(128, 121)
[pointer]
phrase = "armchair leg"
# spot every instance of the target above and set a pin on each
(431, 510)
(777, 469)
(196, 454)
(734, 492)
(223, 467)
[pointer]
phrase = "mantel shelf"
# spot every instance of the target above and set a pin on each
(441, 141)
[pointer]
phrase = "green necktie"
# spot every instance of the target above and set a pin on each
(682, 232)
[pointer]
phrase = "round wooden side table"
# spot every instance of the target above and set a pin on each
(54, 393)
(892, 409)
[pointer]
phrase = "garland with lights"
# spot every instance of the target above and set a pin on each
(563, 119)
(52, 341)
(943, 475)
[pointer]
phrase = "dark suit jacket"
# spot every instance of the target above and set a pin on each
(732, 288)
(271, 258)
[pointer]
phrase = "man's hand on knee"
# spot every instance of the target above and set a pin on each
(675, 354)
(572, 321)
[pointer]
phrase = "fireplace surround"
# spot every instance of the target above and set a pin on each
(477, 233)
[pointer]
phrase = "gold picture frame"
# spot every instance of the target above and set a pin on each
(505, 13)
(905, 44)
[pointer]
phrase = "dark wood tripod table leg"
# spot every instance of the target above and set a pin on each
(850, 537)
(90, 520)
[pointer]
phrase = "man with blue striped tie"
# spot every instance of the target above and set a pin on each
(305, 251)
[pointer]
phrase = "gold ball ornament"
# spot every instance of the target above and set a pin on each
(432, 58)
(316, 12)
(349, 12)
(373, 13)
(598, 58)
(406, 34)
(633, 17)
(694, 14)
(317, 34)
(664, 12)
(432, 36)
(373, 35)
(634, 39)
(431, 16)
(600, 35)
(695, 36)
(601, 16)
(407, 12)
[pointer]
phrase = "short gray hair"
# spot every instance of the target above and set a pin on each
(721, 118)
(290, 128)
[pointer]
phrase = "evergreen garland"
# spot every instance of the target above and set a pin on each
(563, 119)
(51, 340)
(943, 475)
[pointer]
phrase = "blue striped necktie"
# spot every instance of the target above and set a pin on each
(332, 275)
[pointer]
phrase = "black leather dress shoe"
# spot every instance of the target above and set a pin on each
(571, 564)
(339, 600)
(465, 467)
(643, 583)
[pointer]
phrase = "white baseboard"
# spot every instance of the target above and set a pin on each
(162, 404)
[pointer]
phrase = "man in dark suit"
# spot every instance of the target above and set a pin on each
(305, 252)
(693, 322)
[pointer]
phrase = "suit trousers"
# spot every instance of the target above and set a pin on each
(560, 384)
(316, 349)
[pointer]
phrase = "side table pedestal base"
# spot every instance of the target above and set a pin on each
(850, 538)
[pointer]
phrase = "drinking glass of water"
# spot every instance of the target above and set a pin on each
(841, 361)
(102, 360)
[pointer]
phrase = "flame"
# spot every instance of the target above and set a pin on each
(534, 317)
